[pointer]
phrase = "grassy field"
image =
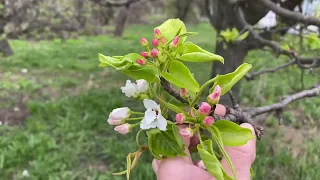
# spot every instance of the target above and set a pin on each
(54, 116)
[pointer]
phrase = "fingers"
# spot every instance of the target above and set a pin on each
(242, 157)
(179, 170)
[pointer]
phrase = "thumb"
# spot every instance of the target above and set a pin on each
(242, 157)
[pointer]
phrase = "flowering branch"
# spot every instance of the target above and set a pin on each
(306, 19)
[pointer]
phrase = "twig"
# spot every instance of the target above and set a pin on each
(234, 101)
(114, 3)
(315, 91)
(272, 44)
(173, 92)
(307, 20)
(251, 76)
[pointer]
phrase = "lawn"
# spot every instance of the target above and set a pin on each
(54, 116)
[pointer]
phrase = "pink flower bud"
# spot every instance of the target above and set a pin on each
(118, 116)
(205, 108)
(209, 120)
(180, 118)
(175, 42)
(123, 129)
(183, 92)
(142, 62)
(145, 54)
(163, 40)
(155, 42)
(143, 41)
(186, 132)
(157, 33)
(154, 53)
(214, 97)
(116, 121)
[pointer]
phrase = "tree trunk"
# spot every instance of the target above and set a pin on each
(222, 18)
(182, 8)
(5, 48)
(121, 20)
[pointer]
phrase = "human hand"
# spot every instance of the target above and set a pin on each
(183, 168)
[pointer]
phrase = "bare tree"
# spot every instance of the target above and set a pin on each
(122, 14)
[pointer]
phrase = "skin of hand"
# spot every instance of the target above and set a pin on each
(183, 168)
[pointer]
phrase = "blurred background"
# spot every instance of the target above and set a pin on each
(55, 100)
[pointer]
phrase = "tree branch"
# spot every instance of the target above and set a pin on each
(239, 115)
(287, 100)
(108, 3)
(273, 45)
(251, 76)
(305, 19)
(173, 92)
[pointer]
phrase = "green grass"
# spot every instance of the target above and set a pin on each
(66, 136)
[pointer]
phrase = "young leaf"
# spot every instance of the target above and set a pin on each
(180, 75)
(193, 53)
(228, 80)
(166, 143)
(129, 165)
(149, 73)
(217, 138)
(243, 36)
(120, 63)
(210, 160)
(171, 28)
(232, 134)
(110, 61)
(251, 173)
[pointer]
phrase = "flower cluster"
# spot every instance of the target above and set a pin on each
(159, 42)
(202, 114)
(153, 117)
(137, 89)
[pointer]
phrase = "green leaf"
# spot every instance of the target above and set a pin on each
(188, 34)
(173, 107)
(232, 134)
(216, 136)
(228, 80)
(251, 173)
(149, 73)
(171, 28)
(110, 61)
(210, 161)
(166, 143)
(193, 53)
(120, 63)
(129, 165)
(243, 36)
(180, 75)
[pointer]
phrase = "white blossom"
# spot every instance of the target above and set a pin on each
(24, 70)
(130, 89)
(134, 89)
(153, 117)
(142, 86)
(25, 173)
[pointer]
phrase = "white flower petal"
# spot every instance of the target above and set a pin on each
(150, 104)
(142, 85)
(161, 123)
(130, 89)
(150, 116)
(144, 125)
